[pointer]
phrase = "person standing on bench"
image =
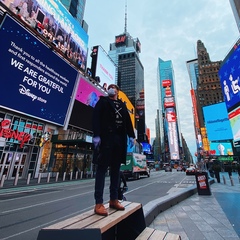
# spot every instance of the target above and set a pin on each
(111, 126)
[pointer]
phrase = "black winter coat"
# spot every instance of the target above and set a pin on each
(104, 126)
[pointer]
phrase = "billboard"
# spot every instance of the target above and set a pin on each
(221, 148)
(87, 95)
(103, 67)
(234, 118)
(217, 122)
(195, 112)
(172, 133)
(123, 97)
(169, 102)
(35, 81)
(229, 77)
(52, 20)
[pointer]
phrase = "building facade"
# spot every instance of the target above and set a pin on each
(205, 90)
(76, 8)
(170, 138)
(235, 4)
(209, 89)
(130, 76)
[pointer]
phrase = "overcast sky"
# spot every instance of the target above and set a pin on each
(167, 29)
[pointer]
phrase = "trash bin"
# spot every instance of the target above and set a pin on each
(203, 186)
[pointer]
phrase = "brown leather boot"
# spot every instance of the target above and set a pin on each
(116, 205)
(100, 210)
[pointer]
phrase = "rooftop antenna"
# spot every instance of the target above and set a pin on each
(125, 27)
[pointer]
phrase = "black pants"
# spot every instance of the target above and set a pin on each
(114, 165)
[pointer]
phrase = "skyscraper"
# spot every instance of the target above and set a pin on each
(76, 8)
(130, 75)
(235, 4)
(209, 90)
(170, 138)
(205, 90)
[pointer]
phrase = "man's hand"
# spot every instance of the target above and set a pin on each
(96, 141)
(131, 142)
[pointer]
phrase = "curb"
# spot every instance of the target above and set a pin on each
(152, 209)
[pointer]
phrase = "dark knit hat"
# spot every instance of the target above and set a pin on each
(116, 86)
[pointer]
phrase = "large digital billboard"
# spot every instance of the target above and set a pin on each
(221, 148)
(105, 68)
(171, 120)
(229, 77)
(53, 21)
(87, 95)
(217, 122)
(234, 118)
(35, 81)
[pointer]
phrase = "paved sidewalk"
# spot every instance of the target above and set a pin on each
(212, 217)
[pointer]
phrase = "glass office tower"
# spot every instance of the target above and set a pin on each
(76, 8)
(169, 128)
(130, 76)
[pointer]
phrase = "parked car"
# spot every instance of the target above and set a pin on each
(168, 169)
(190, 171)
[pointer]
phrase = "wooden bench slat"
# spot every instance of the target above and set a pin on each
(172, 236)
(116, 217)
(70, 221)
(155, 234)
(158, 234)
(145, 234)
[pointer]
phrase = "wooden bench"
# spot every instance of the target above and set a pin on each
(118, 225)
(151, 233)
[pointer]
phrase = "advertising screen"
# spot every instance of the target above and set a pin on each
(147, 148)
(88, 93)
(221, 148)
(53, 21)
(217, 122)
(172, 133)
(229, 77)
(86, 98)
(105, 68)
(234, 117)
(34, 80)
(123, 97)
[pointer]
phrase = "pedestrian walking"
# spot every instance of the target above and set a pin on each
(111, 126)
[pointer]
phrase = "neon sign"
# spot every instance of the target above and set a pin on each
(7, 132)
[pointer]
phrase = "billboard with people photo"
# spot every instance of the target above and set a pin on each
(53, 21)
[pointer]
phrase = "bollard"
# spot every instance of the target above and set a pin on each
(57, 176)
(76, 175)
(71, 173)
(224, 180)
(64, 176)
(48, 177)
(16, 180)
(28, 178)
(39, 178)
(231, 180)
(81, 174)
(91, 174)
(2, 180)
